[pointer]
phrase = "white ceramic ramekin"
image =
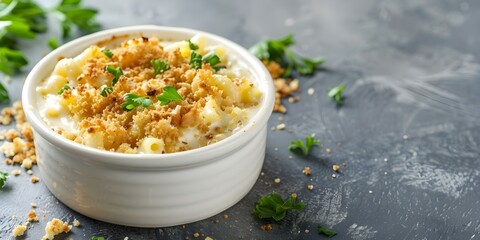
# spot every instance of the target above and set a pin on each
(150, 190)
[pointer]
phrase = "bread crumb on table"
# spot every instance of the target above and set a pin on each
(32, 216)
(19, 230)
(35, 179)
(196, 235)
(55, 227)
(335, 168)
(306, 171)
(76, 223)
(310, 187)
(16, 172)
(266, 227)
(276, 180)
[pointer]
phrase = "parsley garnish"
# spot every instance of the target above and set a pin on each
(212, 59)
(278, 51)
(272, 206)
(298, 145)
(132, 101)
(117, 72)
(107, 53)
(159, 66)
(336, 93)
(192, 46)
(3, 93)
(53, 43)
(65, 87)
(326, 231)
(97, 238)
(106, 90)
(72, 14)
(195, 60)
(169, 95)
(3, 178)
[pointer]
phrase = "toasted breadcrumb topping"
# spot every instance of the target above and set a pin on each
(19, 230)
(55, 227)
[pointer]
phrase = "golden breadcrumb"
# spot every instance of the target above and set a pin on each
(55, 227)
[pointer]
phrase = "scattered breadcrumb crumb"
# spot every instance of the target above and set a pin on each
(225, 216)
(311, 91)
(76, 223)
(216, 221)
(310, 187)
(32, 216)
(30, 172)
(334, 175)
(19, 230)
(293, 195)
(55, 227)
(344, 164)
(266, 227)
(16, 172)
(196, 235)
(307, 231)
(306, 171)
(370, 191)
(328, 150)
(277, 180)
(280, 126)
(35, 179)
(208, 238)
(34, 205)
(336, 168)
(280, 119)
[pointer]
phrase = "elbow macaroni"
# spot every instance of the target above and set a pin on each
(215, 105)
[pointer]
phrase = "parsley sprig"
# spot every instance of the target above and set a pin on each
(325, 231)
(169, 95)
(3, 178)
(298, 145)
(97, 238)
(72, 14)
(159, 66)
(196, 59)
(272, 206)
(278, 50)
(116, 72)
(336, 93)
(107, 53)
(132, 101)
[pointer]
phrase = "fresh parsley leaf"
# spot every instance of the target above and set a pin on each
(299, 145)
(336, 93)
(117, 72)
(3, 178)
(53, 43)
(97, 238)
(106, 90)
(278, 51)
(107, 53)
(159, 66)
(272, 206)
(3, 93)
(326, 231)
(65, 87)
(169, 95)
(132, 101)
(192, 46)
(72, 14)
(195, 60)
(212, 59)
(11, 60)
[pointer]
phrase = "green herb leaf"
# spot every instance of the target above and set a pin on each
(65, 87)
(159, 66)
(326, 231)
(117, 72)
(11, 60)
(53, 43)
(97, 238)
(3, 178)
(106, 90)
(195, 60)
(272, 206)
(192, 46)
(132, 101)
(336, 93)
(212, 59)
(169, 95)
(3, 93)
(278, 51)
(107, 53)
(72, 14)
(299, 145)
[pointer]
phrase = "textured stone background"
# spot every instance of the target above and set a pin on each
(411, 68)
